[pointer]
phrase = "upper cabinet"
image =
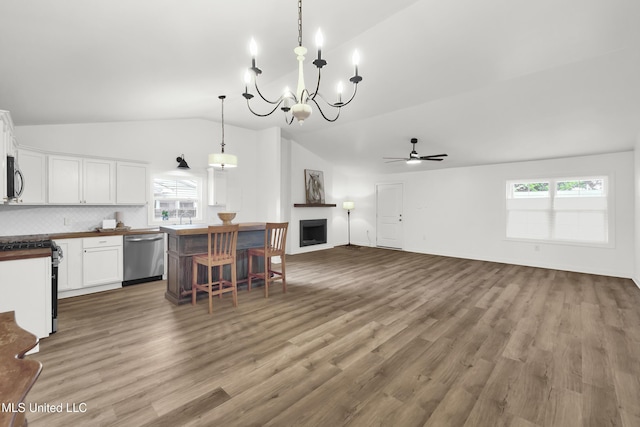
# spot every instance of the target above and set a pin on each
(7, 148)
(77, 180)
(33, 165)
(99, 181)
(132, 183)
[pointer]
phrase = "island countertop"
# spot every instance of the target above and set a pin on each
(181, 230)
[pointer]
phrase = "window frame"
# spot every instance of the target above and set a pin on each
(609, 181)
(199, 200)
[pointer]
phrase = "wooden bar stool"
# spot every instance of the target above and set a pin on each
(222, 242)
(275, 239)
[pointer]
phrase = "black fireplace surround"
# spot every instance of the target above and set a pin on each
(313, 232)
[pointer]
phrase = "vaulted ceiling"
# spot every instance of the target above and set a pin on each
(485, 81)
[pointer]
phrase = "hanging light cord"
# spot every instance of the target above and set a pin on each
(222, 97)
(299, 22)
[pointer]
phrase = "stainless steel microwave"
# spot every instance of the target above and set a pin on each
(15, 180)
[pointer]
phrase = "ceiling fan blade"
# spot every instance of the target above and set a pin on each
(431, 157)
(397, 160)
(435, 160)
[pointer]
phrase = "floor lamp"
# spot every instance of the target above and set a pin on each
(348, 206)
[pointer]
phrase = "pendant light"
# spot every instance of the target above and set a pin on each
(301, 98)
(222, 159)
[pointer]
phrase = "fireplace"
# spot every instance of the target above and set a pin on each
(313, 232)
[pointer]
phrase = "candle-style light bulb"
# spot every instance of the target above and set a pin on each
(253, 48)
(356, 60)
(319, 41)
(247, 81)
(339, 88)
(286, 95)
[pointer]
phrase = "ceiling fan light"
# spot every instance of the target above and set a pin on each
(414, 161)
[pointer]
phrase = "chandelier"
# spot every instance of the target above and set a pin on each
(297, 104)
(222, 159)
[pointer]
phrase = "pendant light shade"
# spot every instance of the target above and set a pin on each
(222, 159)
(219, 160)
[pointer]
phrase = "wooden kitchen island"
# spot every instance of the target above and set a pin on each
(184, 241)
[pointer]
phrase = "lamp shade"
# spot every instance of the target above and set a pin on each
(348, 205)
(182, 163)
(220, 159)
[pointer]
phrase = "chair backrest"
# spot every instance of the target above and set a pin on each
(275, 236)
(222, 240)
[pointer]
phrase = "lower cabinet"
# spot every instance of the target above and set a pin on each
(26, 289)
(70, 268)
(90, 264)
(101, 260)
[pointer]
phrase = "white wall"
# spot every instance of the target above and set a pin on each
(302, 159)
(460, 212)
(156, 142)
(267, 176)
(636, 275)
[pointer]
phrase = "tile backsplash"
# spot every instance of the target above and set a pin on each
(25, 220)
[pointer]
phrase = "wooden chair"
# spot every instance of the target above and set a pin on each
(275, 239)
(222, 242)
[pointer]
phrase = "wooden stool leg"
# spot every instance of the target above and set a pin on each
(234, 284)
(220, 281)
(210, 284)
(194, 279)
(210, 299)
(267, 268)
(249, 273)
(284, 275)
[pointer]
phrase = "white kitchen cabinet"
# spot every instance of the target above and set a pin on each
(77, 180)
(132, 183)
(26, 289)
(33, 166)
(70, 268)
(102, 260)
(6, 142)
(90, 264)
(99, 181)
(65, 179)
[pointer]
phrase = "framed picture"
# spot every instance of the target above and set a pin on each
(314, 186)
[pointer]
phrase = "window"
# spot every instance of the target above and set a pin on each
(177, 199)
(564, 209)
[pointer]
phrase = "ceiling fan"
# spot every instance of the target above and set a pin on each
(414, 157)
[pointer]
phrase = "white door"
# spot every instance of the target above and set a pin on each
(389, 215)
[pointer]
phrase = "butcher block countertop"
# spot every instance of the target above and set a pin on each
(182, 230)
(77, 234)
(25, 254)
(17, 375)
(115, 232)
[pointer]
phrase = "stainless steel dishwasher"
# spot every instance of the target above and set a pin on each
(143, 258)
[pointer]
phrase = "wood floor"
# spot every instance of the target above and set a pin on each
(363, 337)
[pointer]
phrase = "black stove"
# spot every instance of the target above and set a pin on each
(22, 245)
